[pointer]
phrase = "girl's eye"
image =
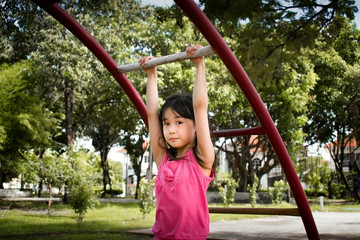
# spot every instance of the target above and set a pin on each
(166, 124)
(178, 122)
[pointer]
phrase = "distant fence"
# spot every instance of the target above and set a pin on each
(13, 193)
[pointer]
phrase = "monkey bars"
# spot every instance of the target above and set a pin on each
(220, 47)
(204, 51)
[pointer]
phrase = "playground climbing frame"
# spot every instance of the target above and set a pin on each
(217, 43)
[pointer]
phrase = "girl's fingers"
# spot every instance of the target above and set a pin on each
(190, 50)
(144, 60)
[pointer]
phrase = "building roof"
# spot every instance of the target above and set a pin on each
(122, 150)
(351, 143)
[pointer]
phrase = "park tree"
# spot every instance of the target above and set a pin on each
(74, 81)
(83, 199)
(62, 73)
(46, 167)
(315, 172)
(86, 176)
(68, 74)
(25, 121)
(334, 109)
(272, 41)
(109, 114)
(27, 29)
(21, 23)
(67, 67)
(108, 122)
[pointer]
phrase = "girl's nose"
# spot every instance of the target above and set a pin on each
(172, 130)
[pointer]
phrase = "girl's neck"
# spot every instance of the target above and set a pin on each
(183, 150)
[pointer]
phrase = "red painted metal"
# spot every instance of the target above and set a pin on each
(215, 40)
(85, 37)
(238, 132)
(230, 61)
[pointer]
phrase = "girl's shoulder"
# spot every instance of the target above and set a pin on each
(164, 159)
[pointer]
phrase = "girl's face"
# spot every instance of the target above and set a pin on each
(179, 132)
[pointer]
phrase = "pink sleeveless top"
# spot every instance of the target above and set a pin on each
(182, 210)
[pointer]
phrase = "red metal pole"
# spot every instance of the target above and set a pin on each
(238, 132)
(218, 44)
(230, 61)
(84, 36)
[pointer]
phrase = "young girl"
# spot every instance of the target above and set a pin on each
(184, 155)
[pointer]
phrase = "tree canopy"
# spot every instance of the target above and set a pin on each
(302, 57)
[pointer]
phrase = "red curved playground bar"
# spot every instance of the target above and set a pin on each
(218, 44)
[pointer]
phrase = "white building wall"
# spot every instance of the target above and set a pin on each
(223, 163)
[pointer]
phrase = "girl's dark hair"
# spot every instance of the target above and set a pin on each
(182, 104)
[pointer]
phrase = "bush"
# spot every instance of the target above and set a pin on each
(337, 190)
(82, 199)
(227, 187)
(252, 191)
(277, 191)
(146, 196)
(313, 193)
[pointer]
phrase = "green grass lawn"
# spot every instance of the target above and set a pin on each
(24, 220)
(106, 221)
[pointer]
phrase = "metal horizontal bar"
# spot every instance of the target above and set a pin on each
(238, 132)
(259, 211)
(204, 51)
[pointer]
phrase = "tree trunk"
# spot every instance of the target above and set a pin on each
(339, 166)
(109, 178)
(243, 178)
(2, 179)
(239, 172)
(236, 167)
(138, 175)
(251, 172)
(106, 174)
(104, 168)
(40, 188)
(149, 170)
(49, 202)
(69, 98)
(244, 159)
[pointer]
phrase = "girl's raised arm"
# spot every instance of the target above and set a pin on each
(204, 146)
(152, 101)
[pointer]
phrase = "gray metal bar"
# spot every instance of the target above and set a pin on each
(204, 51)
